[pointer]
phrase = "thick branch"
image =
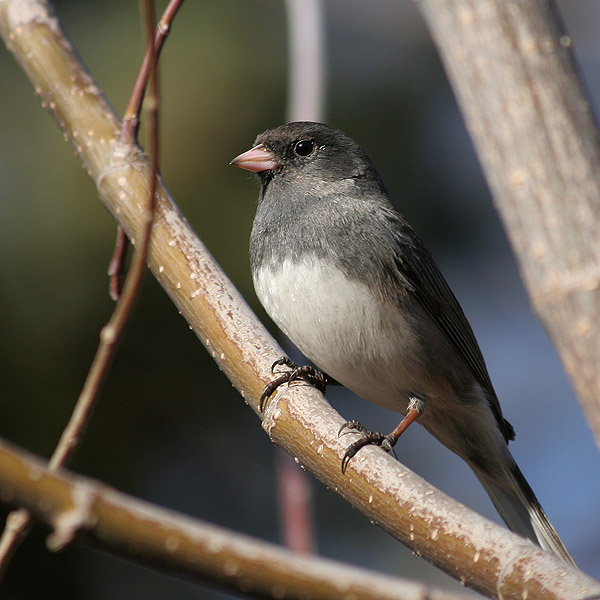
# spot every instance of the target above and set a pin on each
(526, 110)
(472, 549)
(79, 507)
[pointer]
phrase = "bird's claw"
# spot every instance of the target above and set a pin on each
(305, 373)
(367, 438)
(270, 388)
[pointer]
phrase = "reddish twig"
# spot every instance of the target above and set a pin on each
(295, 505)
(116, 268)
(132, 113)
(18, 521)
(131, 118)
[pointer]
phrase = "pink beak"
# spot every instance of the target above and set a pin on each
(257, 159)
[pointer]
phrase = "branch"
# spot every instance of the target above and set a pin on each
(531, 122)
(484, 556)
(306, 60)
(93, 512)
(112, 332)
(132, 112)
(305, 102)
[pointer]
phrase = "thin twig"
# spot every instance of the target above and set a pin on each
(131, 118)
(116, 268)
(18, 521)
(130, 122)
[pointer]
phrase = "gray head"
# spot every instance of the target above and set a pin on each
(303, 151)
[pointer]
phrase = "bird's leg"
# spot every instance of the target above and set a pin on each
(416, 407)
(305, 373)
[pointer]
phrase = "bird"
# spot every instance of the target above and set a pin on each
(347, 279)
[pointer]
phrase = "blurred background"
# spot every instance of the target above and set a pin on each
(169, 427)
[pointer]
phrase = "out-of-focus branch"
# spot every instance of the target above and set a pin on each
(482, 555)
(306, 60)
(305, 102)
(93, 512)
(524, 105)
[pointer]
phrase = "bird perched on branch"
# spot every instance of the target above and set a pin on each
(347, 279)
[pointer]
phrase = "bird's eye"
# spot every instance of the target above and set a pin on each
(304, 148)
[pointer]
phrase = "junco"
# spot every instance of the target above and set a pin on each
(346, 278)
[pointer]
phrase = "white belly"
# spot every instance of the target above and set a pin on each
(344, 329)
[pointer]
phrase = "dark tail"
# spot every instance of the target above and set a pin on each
(519, 508)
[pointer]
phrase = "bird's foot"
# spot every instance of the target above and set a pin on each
(367, 438)
(304, 373)
(416, 407)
